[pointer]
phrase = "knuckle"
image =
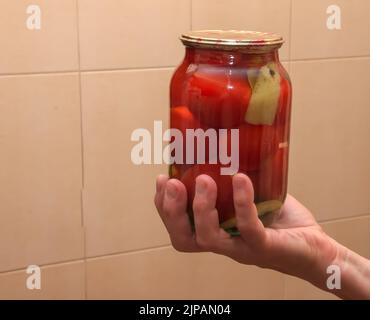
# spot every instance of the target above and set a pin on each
(167, 209)
(178, 247)
(244, 227)
(181, 245)
(239, 202)
(204, 244)
(199, 205)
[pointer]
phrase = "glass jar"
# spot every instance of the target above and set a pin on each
(230, 112)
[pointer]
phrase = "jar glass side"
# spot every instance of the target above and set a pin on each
(223, 91)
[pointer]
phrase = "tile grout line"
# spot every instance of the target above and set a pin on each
(37, 73)
(133, 251)
(325, 59)
(46, 265)
(81, 115)
(163, 246)
(129, 69)
(60, 72)
(343, 219)
(82, 148)
(84, 259)
(108, 70)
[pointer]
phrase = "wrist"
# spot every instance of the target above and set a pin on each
(309, 260)
(323, 258)
(327, 265)
(355, 274)
(344, 274)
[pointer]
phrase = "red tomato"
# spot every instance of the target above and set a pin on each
(282, 118)
(224, 203)
(254, 177)
(178, 78)
(256, 144)
(219, 100)
(273, 177)
(181, 118)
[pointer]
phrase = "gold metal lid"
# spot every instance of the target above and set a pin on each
(232, 39)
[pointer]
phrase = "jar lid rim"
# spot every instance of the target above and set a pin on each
(231, 38)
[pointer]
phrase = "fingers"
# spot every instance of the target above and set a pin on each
(249, 225)
(160, 188)
(171, 202)
(209, 236)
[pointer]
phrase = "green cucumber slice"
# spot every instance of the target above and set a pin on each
(268, 206)
(264, 101)
(262, 209)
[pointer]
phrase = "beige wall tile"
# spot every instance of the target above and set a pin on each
(59, 281)
(354, 234)
(40, 170)
(52, 48)
(131, 34)
(329, 160)
(118, 197)
(166, 274)
(297, 289)
(259, 15)
(286, 65)
(312, 39)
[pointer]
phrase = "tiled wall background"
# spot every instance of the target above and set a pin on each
(72, 92)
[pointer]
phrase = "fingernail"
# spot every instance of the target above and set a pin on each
(200, 186)
(171, 190)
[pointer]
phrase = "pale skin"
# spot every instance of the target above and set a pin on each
(291, 242)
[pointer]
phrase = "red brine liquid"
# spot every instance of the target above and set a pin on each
(233, 89)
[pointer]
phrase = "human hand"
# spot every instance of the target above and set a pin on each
(290, 241)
